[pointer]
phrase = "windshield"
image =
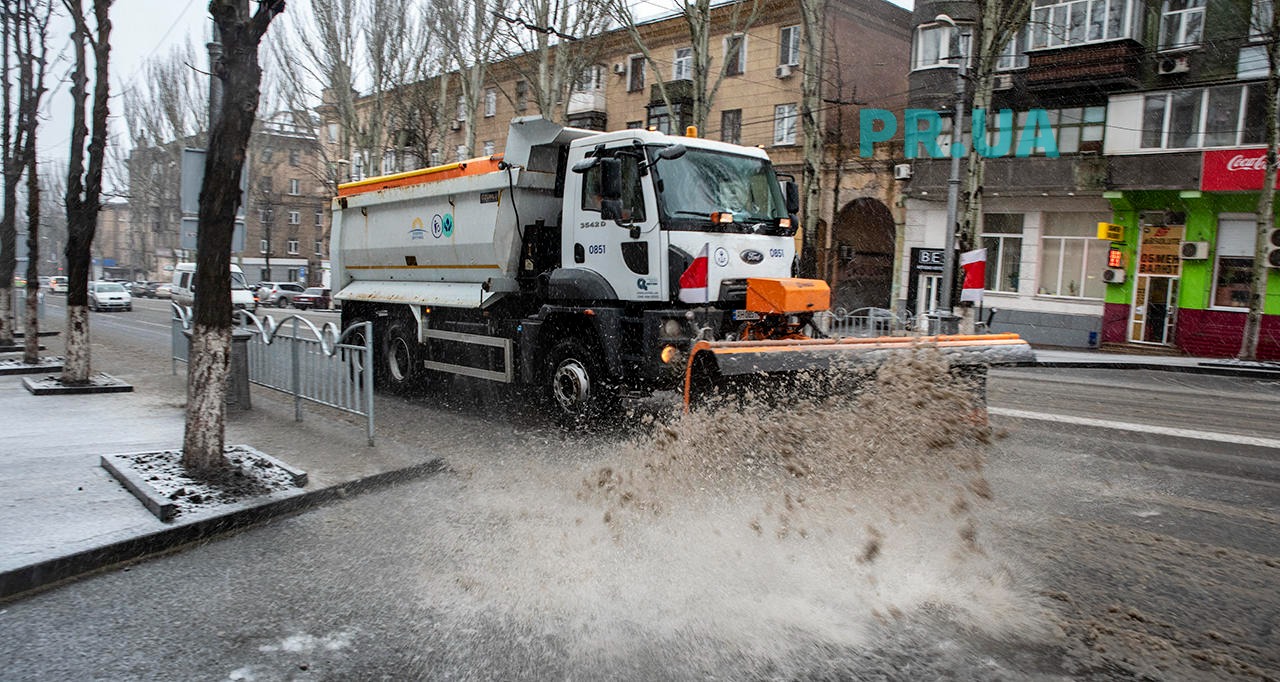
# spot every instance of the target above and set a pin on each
(238, 281)
(703, 182)
(109, 286)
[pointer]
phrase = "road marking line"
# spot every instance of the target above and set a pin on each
(1141, 428)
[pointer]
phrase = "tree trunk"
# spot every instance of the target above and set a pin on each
(31, 326)
(204, 438)
(1266, 218)
(812, 12)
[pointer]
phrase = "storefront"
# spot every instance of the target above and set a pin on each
(1187, 258)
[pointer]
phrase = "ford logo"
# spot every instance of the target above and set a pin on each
(751, 256)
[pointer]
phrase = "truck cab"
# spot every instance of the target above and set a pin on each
(640, 207)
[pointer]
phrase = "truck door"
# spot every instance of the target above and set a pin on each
(627, 251)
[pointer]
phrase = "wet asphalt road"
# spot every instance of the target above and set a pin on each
(1092, 553)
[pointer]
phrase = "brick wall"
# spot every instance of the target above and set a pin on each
(1115, 323)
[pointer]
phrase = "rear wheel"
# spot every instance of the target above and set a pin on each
(282, 303)
(402, 357)
(577, 385)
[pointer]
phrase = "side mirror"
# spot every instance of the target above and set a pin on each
(792, 192)
(675, 151)
(585, 165)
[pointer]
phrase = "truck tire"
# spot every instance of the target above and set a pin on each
(401, 357)
(576, 383)
(357, 339)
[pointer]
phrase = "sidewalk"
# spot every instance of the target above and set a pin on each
(62, 515)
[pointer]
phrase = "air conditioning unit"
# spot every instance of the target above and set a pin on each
(1272, 257)
(1195, 250)
(1002, 81)
(1171, 65)
(782, 71)
(620, 68)
(902, 171)
(1113, 276)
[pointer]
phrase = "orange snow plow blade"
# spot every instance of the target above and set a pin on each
(709, 360)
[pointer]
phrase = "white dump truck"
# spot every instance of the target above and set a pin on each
(591, 264)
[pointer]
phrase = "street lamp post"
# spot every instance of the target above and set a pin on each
(947, 320)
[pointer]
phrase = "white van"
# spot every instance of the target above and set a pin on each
(184, 285)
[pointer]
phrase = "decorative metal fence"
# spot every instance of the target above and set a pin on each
(863, 322)
(312, 363)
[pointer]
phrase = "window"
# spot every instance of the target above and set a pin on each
(632, 190)
(488, 147)
(293, 249)
(933, 46)
(462, 108)
(682, 65)
(333, 132)
(319, 248)
(1225, 116)
(731, 126)
(1260, 19)
(490, 102)
(293, 157)
(1181, 23)
(388, 162)
(460, 152)
(435, 157)
(1072, 258)
(1002, 238)
(635, 125)
(266, 215)
(635, 73)
(1057, 23)
(291, 273)
(264, 246)
(267, 153)
(784, 124)
(522, 96)
(1014, 55)
(295, 186)
(1233, 266)
(735, 55)
(1075, 129)
(295, 218)
(789, 45)
(319, 217)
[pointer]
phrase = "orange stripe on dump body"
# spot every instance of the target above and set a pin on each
(480, 166)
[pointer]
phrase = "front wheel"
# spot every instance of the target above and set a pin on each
(577, 384)
(282, 303)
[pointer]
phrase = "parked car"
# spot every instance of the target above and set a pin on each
(163, 290)
(109, 296)
(313, 297)
(279, 294)
(58, 284)
(137, 289)
(44, 281)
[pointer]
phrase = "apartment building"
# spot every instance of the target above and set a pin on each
(1156, 115)
(758, 104)
(287, 214)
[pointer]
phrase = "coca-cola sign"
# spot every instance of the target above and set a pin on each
(1233, 170)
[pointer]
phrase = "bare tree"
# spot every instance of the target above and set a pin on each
(700, 18)
(812, 14)
(998, 23)
(1266, 217)
(25, 31)
(241, 33)
(84, 185)
(550, 44)
(469, 31)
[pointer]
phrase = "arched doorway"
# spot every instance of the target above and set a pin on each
(861, 256)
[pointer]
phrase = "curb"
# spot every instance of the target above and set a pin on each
(98, 383)
(24, 580)
(1219, 370)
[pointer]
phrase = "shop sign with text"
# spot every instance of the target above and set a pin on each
(1233, 170)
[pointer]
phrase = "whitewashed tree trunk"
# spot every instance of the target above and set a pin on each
(1266, 215)
(6, 313)
(207, 376)
(75, 365)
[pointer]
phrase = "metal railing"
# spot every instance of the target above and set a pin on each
(317, 364)
(863, 322)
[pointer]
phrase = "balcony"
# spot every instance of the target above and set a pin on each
(1101, 66)
(587, 101)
